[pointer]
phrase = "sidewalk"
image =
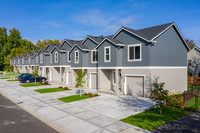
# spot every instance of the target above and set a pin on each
(95, 115)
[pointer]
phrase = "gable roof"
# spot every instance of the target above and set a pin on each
(112, 40)
(59, 48)
(51, 45)
(72, 42)
(81, 47)
(151, 33)
(96, 39)
(44, 51)
(34, 54)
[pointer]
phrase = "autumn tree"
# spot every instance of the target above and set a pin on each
(191, 44)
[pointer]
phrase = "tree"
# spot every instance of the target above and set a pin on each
(80, 79)
(160, 95)
(191, 44)
(35, 72)
(43, 44)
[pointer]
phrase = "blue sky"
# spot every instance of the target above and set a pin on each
(75, 19)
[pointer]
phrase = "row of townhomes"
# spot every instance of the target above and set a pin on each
(126, 63)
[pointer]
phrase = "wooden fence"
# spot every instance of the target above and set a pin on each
(194, 81)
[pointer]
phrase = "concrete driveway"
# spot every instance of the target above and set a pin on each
(95, 115)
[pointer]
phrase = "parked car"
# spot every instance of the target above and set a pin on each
(28, 78)
(21, 75)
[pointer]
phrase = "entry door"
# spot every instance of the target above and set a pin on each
(114, 79)
(68, 77)
(50, 75)
(93, 81)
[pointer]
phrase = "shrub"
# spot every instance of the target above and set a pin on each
(66, 88)
(191, 109)
(60, 87)
(85, 94)
(90, 94)
(176, 100)
(95, 94)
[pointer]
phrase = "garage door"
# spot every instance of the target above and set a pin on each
(135, 86)
(93, 81)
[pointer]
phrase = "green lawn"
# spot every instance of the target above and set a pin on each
(31, 84)
(151, 119)
(12, 80)
(49, 90)
(191, 102)
(73, 98)
(5, 78)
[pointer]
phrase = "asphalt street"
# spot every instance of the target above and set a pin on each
(13, 119)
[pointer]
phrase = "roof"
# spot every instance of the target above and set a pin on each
(111, 39)
(72, 42)
(96, 39)
(80, 46)
(151, 33)
(34, 54)
(59, 48)
(44, 51)
(198, 49)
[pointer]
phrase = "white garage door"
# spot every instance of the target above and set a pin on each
(93, 81)
(135, 86)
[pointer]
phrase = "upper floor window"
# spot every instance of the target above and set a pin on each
(107, 54)
(18, 61)
(68, 56)
(56, 56)
(23, 61)
(189, 62)
(76, 57)
(134, 52)
(14, 61)
(94, 56)
(50, 58)
(41, 58)
(29, 60)
(36, 59)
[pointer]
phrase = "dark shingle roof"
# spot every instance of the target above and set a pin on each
(114, 40)
(51, 45)
(59, 47)
(73, 42)
(98, 39)
(44, 51)
(151, 32)
(83, 47)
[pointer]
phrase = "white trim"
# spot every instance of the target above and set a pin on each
(134, 75)
(56, 57)
(149, 67)
(84, 67)
(92, 56)
(41, 58)
(67, 43)
(68, 55)
(105, 54)
(67, 82)
(110, 41)
(134, 45)
(57, 66)
(75, 56)
(89, 38)
(57, 49)
(129, 32)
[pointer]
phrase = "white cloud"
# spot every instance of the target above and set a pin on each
(106, 22)
(53, 24)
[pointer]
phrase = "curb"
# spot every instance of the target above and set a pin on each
(37, 115)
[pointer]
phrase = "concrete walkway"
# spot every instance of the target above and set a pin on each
(95, 115)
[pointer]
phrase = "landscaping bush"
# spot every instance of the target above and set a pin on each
(96, 95)
(85, 94)
(176, 100)
(60, 87)
(66, 88)
(90, 94)
(190, 109)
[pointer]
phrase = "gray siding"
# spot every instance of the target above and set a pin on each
(45, 59)
(67, 47)
(81, 54)
(48, 48)
(129, 39)
(87, 56)
(169, 50)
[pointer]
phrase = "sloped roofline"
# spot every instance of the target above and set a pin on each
(195, 48)
(78, 47)
(110, 41)
(57, 49)
(89, 38)
(40, 51)
(67, 42)
(152, 40)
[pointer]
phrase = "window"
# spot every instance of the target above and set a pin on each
(68, 56)
(189, 62)
(50, 58)
(23, 61)
(94, 56)
(76, 57)
(41, 58)
(29, 60)
(14, 61)
(18, 61)
(134, 52)
(106, 54)
(56, 57)
(36, 59)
